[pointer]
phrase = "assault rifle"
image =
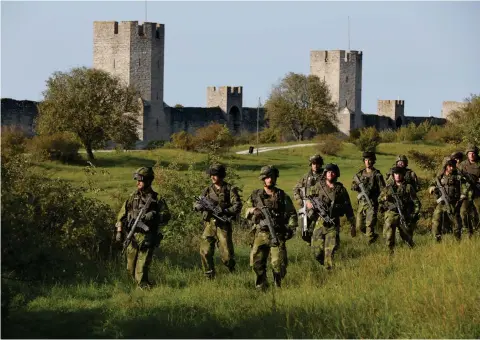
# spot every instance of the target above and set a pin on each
(320, 208)
(470, 179)
(363, 192)
(303, 212)
(213, 208)
(270, 223)
(443, 197)
(403, 222)
(137, 224)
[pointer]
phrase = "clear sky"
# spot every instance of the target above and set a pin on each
(421, 52)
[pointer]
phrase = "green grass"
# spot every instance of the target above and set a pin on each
(432, 291)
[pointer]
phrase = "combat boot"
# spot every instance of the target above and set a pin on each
(210, 274)
(277, 280)
(373, 239)
(261, 282)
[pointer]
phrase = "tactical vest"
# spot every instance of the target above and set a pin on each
(275, 203)
(370, 182)
(452, 186)
(222, 197)
(404, 195)
(137, 202)
(333, 199)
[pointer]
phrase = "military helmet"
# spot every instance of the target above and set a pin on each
(144, 174)
(317, 159)
(471, 148)
(399, 170)
(368, 154)
(269, 171)
(402, 158)
(334, 168)
(457, 155)
(217, 170)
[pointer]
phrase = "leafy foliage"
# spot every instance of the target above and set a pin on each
(329, 144)
(368, 140)
(299, 104)
(214, 138)
(467, 120)
(62, 146)
(93, 105)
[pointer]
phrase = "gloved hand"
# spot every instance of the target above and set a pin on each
(355, 187)
(257, 216)
(431, 190)
(197, 206)
(118, 236)
(207, 215)
(288, 234)
(148, 216)
(217, 210)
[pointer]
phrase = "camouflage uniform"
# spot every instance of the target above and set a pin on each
(217, 232)
(374, 183)
(410, 176)
(281, 208)
(456, 190)
(140, 251)
(410, 209)
(307, 182)
(326, 237)
(470, 209)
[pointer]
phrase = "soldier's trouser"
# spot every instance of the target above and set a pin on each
(222, 237)
(367, 220)
(469, 217)
(324, 243)
(138, 262)
(259, 255)
(441, 221)
(392, 221)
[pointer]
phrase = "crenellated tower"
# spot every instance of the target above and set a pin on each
(230, 100)
(394, 109)
(342, 72)
(135, 53)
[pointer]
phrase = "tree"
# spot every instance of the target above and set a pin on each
(299, 104)
(467, 119)
(178, 106)
(93, 105)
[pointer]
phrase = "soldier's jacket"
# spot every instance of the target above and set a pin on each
(227, 197)
(408, 196)
(157, 213)
(280, 206)
(373, 183)
(473, 169)
(307, 181)
(336, 199)
(454, 186)
(409, 178)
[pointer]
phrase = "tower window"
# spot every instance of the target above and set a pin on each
(158, 63)
(138, 62)
(346, 79)
(157, 34)
(157, 95)
(113, 63)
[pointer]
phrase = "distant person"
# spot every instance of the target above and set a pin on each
(410, 176)
(227, 205)
(140, 250)
(373, 183)
(470, 170)
(274, 221)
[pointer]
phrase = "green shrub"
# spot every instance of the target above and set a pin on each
(13, 141)
(368, 140)
(329, 144)
(444, 134)
(182, 140)
(244, 138)
(155, 144)
(214, 138)
(61, 146)
(388, 136)
(354, 135)
(269, 135)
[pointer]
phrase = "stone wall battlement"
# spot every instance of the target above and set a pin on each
(147, 30)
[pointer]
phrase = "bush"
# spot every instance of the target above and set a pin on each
(61, 146)
(388, 136)
(354, 135)
(412, 132)
(13, 141)
(183, 140)
(49, 228)
(444, 134)
(368, 140)
(329, 144)
(244, 138)
(155, 144)
(214, 138)
(269, 135)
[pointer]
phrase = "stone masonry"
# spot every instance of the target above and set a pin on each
(449, 106)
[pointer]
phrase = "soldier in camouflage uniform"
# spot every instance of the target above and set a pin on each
(284, 216)
(458, 157)
(410, 176)
(456, 191)
(470, 209)
(140, 251)
(410, 207)
(305, 183)
(373, 183)
(335, 197)
(227, 198)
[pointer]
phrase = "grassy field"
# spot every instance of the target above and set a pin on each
(432, 291)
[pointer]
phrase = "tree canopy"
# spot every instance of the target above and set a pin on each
(300, 103)
(93, 105)
(468, 119)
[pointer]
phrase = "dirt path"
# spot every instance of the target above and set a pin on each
(271, 148)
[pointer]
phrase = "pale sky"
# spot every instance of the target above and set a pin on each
(421, 52)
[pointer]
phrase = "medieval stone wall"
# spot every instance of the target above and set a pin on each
(20, 114)
(449, 106)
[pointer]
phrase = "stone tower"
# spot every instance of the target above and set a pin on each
(230, 100)
(394, 109)
(449, 106)
(342, 71)
(135, 53)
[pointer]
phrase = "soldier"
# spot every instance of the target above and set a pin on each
(373, 184)
(279, 206)
(410, 176)
(140, 250)
(470, 170)
(227, 199)
(337, 202)
(457, 156)
(303, 186)
(409, 208)
(455, 192)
